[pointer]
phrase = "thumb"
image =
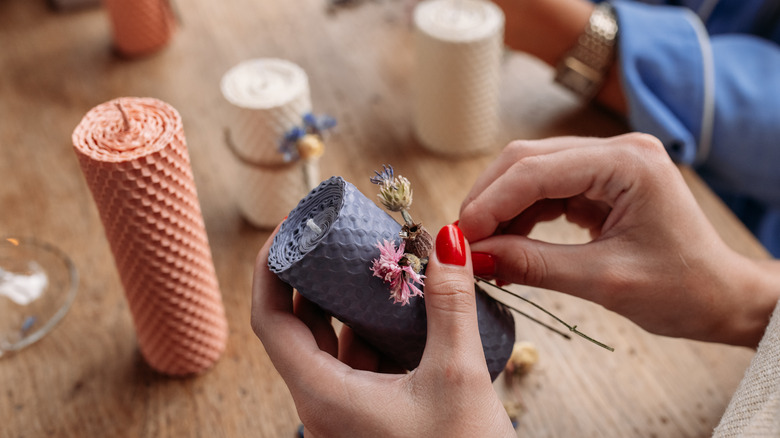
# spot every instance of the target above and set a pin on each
(450, 304)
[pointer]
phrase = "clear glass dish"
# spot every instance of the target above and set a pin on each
(38, 283)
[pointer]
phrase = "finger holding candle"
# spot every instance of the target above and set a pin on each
(327, 250)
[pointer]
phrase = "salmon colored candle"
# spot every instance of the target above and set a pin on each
(140, 27)
(134, 157)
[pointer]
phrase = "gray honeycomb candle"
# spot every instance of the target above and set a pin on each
(325, 249)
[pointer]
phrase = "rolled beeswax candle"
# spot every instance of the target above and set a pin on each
(458, 45)
(325, 249)
(269, 97)
(134, 157)
(140, 27)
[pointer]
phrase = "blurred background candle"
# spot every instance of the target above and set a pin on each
(134, 157)
(140, 27)
(458, 46)
(71, 5)
(269, 97)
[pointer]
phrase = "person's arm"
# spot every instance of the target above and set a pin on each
(547, 29)
(710, 100)
(449, 394)
(654, 258)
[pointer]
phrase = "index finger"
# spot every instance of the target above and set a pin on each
(600, 172)
(517, 150)
(510, 155)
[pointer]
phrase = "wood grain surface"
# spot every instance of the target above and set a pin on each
(87, 378)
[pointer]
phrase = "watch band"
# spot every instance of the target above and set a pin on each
(584, 67)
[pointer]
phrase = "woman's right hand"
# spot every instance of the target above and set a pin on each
(654, 257)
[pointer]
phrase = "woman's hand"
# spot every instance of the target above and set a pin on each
(448, 394)
(654, 257)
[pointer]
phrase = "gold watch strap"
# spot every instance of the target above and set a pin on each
(585, 65)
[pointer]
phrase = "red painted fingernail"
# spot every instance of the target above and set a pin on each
(484, 264)
(451, 246)
(502, 283)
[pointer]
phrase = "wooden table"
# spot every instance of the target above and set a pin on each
(87, 378)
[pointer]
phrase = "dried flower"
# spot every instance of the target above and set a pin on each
(401, 276)
(317, 124)
(288, 145)
(385, 176)
(397, 194)
(412, 261)
(305, 141)
(524, 356)
(310, 146)
(417, 239)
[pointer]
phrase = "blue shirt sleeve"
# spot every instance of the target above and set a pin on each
(714, 101)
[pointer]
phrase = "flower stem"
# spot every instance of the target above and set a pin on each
(407, 217)
(572, 328)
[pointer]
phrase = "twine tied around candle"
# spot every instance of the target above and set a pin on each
(304, 142)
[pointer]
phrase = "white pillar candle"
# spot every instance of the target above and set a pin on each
(458, 46)
(269, 97)
(265, 196)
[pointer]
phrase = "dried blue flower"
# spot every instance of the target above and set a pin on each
(317, 124)
(311, 125)
(385, 177)
(288, 146)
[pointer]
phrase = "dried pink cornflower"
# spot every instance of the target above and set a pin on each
(394, 268)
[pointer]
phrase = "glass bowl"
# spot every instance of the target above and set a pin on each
(38, 283)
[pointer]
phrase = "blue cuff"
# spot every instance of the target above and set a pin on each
(662, 60)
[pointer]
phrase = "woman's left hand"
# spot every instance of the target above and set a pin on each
(334, 382)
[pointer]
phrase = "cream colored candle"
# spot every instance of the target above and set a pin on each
(269, 97)
(458, 46)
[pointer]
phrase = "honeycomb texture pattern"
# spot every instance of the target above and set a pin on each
(134, 157)
(269, 96)
(140, 27)
(457, 75)
(329, 264)
(265, 196)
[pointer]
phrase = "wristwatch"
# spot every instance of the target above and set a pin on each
(584, 66)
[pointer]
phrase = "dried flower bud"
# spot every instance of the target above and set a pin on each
(524, 357)
(310, 146)
(411, 261)
(396, 194)
(417, 239)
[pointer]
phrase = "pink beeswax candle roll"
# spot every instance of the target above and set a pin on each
(140, 27)
(134, 157)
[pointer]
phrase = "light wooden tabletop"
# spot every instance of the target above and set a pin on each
(87, 378)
